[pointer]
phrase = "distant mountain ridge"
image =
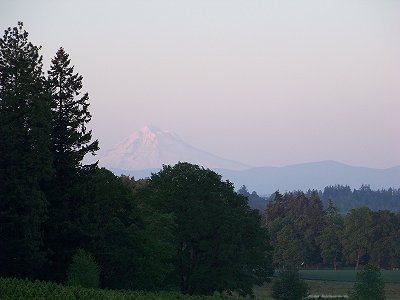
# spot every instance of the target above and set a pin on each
(150, 148)
(146, 150)
(315, 175)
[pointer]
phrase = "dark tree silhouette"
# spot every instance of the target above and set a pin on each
(71, 141)
(25, 163)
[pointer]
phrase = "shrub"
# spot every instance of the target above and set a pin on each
(83, 270)
(369, 285)
(17, 289)
(289, 286)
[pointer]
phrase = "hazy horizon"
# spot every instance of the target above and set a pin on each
(155, 129)
(264, 83)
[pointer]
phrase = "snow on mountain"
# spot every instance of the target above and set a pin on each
(150, 148)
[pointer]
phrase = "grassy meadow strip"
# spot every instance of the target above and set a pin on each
(388, 276)
(330, 297)
(13, 289)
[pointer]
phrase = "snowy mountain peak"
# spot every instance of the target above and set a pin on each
(151, 147)
(150, 131)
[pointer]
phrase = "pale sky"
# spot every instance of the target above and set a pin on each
(266, 83)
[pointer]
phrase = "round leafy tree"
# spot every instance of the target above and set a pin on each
(219, 241)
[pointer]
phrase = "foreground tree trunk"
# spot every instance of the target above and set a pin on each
(358, 260)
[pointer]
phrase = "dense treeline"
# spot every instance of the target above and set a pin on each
(342, 196)
(303, 233)
(183, 228)
(345, 199)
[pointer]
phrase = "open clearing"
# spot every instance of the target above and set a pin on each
(340, 282)
(388, 276)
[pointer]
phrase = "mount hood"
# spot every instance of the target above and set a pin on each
(150, 148)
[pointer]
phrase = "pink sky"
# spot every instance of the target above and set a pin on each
(261, 82)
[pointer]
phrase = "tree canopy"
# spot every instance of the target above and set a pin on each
(219, 242)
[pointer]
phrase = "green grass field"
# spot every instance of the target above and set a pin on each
(328, 288)
(339, 283)
(388, 276)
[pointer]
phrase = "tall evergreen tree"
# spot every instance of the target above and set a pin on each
(25, 119)
(71, 141)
